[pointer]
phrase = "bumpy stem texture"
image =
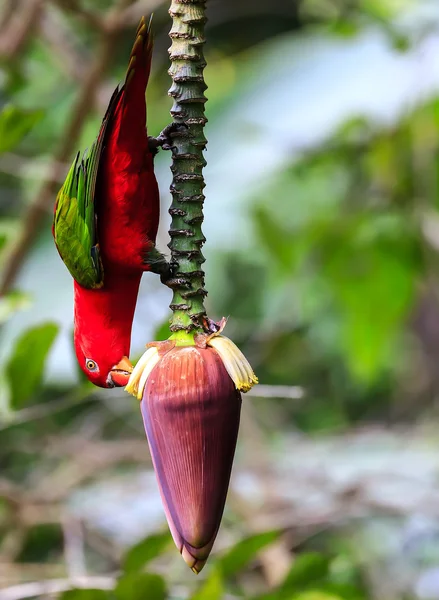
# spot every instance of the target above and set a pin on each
(187, 90)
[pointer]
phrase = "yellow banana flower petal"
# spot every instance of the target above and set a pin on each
(141, 371)
(236, 364)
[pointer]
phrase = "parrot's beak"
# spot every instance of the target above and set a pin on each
(120, 373)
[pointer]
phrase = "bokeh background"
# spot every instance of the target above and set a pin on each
(322, 229)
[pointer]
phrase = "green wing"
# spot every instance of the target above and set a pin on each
(74, 224)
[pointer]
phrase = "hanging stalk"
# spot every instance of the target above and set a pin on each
(187, 239)
(189, 385)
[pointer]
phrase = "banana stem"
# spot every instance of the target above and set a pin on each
(187, 239)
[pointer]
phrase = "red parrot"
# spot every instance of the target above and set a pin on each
(105, 225)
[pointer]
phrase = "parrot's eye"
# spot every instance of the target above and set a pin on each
(91, 365)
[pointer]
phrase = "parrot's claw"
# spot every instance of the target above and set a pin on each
(166, 270)
(166, 138)
(175, 282)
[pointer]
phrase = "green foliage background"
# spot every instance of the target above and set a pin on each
(322, 250)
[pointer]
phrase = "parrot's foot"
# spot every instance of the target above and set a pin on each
(174, 282)
(166, 138)
(167, 270)
(157, 262)
(169, 278)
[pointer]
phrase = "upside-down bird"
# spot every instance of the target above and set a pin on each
(105, 225)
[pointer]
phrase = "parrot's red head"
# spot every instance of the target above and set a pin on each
(103, 366)
(102, 336)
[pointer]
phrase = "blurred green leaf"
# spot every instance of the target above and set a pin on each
(400, 42)
(307, 570)
(345, 28)
(88, 594)
(382, 11)
(12, 303)
(240, 283)
(143, 552)
(15, 123)
(310, 579)
(5, 399)
(212, 588)
(347, 591)
(321, 9)
(316, 595)
(362, 270)
(42, 543)
(140, 586)
(26, 365)
(276, 239)
(244, 551)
